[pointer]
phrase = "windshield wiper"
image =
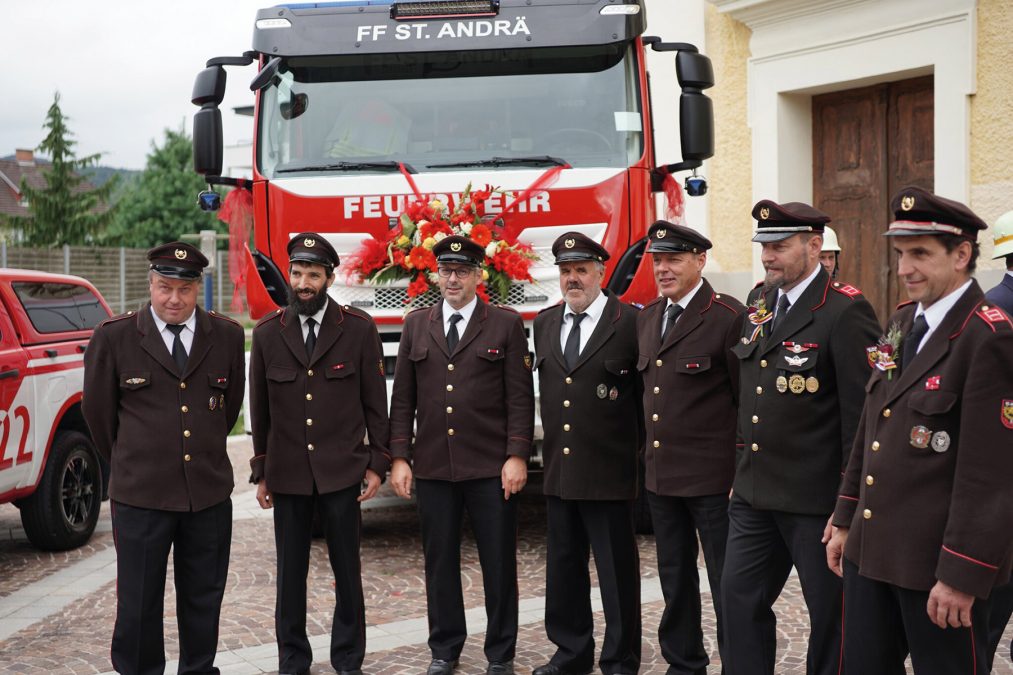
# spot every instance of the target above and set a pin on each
(539, 160)
(351, 166)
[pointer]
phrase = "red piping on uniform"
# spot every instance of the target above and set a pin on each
(964, 325)
(823, 301)
(969, 559)
(854, 499)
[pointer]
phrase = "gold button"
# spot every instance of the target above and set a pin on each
(756, 448)
(569, 380)
(450, 387)
(310, 447)
(186, 458)
(657, 390)
(875, 446)
(310, 372)
(566, 427)
(450, 409)
(182, 385)
(185, 409)
(763, 363)
(309, 397)
(869, 480)
(566, 451)
(867, 513)
(759, 390)
(450, 366)
(657, 444)
(654, 417)
(309, 422)
(658, 363)
(886, 412)
(186, 433)
(755, 419)
(717, 296)
(566, 404)
(450, 432)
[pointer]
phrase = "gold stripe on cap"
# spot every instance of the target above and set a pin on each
(1003, 240)
(920, 226)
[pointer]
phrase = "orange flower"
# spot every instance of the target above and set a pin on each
(481, 235)
(419, 286)
(422, 259)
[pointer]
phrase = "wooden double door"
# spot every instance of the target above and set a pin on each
(867, 144)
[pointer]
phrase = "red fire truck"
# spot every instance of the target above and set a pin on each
(361, 102)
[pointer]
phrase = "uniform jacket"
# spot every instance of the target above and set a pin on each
(690, 421)
(311, 417)
(592, 416)
(1002, 294)
(163, 432)
(472, 410)
(926, 493)
(795, 445)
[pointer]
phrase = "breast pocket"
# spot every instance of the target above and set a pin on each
(621, 368)
(218, 381)
(135, 380)
(797, 363)
(418, 354)
(281, 374)
(339, 370)
(932, 403)
(693, 365)
(491, 354)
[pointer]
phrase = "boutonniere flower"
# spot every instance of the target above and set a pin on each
(884, 354)
(758, 316)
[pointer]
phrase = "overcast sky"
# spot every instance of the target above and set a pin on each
(124, 70)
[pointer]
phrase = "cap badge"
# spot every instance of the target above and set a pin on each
(907, 202)
(764, 213)
(309, 243)
(180, 254)
(570, 243)
(662, 234)
(455, 247)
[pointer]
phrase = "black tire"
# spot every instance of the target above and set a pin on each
(62, 512)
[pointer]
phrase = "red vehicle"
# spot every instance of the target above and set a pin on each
(357, 100)
(48, 465)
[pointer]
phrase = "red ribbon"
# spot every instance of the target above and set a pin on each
(237, 213)
(411, 181)
(542, 183)
(675, 207)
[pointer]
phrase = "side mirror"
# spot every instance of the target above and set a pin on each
(266, 74)
(209, 87)
(207, 141)
(696, 111)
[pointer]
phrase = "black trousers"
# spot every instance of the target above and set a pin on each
(1001, 602)
(293, 522)
(200, 543)
(575, 529)
(883, 623)
(442, 505)
(762, 547)
(676, 523)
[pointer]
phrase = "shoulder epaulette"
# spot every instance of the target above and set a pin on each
(660, 298)
(119, 317)
(273, 315)
(846, 289)
(993, 316)
(901, 305)
(546, 309)
(355, 311)
(507, 308)
(720, 300)
(216, 315)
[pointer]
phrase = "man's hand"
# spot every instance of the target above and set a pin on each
(263, 496)
(835, 538)
(372, 480)
(401, 478)
(949, 607)
(514, 475)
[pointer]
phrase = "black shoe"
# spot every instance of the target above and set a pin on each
(547, 669)
(355, 671)
(441, 667)
(500, 668)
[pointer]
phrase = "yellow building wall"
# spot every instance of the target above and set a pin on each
(992, 121)
(730, 170)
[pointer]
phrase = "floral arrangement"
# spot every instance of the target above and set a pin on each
(407, 250)
(884, 354)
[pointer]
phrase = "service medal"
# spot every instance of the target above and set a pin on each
(920, 437)
(812, 385)
(613, 394)
(212, 403)
(602, 391)
(221, 401)
(781, 383)
(796, 383)
(940, 441)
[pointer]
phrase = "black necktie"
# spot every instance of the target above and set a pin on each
(572, 349)
(783, 305)
(912, 340)
(671, 315)
(311, 337)
(178, 350)
(453, 337)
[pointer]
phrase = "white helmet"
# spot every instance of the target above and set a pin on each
(1002, 235)
(830, 238)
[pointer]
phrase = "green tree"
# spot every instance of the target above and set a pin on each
(161, 205)
(65, 210)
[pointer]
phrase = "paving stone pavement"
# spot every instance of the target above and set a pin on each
(57, 610)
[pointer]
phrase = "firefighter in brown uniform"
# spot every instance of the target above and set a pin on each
(802, 354)
(685, 340)
(463, 378)
(925, 511)
(317, 390)
(592, 416)
(163, 387)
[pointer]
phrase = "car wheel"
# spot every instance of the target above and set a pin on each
(62, 512)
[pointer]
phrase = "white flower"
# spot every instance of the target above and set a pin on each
(433, 278)
(440, 235)
(491, 249)
(466, 228)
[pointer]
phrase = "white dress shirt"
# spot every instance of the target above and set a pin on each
(318, 317)
(587, 324)
(465, 313)
(934, 313)
(185, 335)
(795, 293)
(682, 302)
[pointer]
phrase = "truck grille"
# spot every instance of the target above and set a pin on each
(387, 298)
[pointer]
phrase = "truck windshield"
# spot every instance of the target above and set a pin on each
(443, 110)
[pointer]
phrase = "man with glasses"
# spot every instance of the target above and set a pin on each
(462, 418)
